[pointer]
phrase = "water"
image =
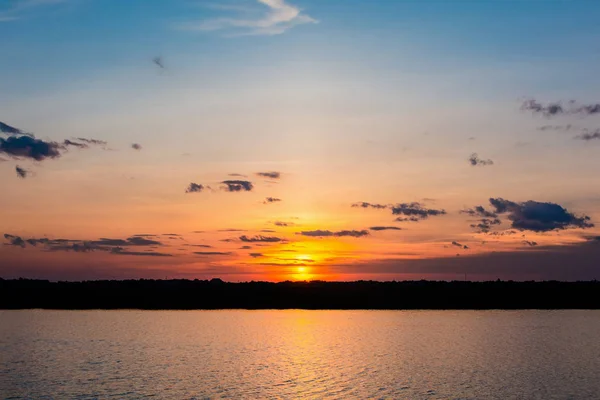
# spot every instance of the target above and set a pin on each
(300, 354)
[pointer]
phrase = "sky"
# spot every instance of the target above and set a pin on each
(299, 139)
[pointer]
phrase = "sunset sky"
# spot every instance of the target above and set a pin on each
(299, 139)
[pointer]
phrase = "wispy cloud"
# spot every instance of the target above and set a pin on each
(17, 8)
(277, 18)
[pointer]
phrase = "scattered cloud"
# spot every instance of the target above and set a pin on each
(271, 175)
(530, 243)
(462, 246)
(238, 175)
(567, 127)
(277, 18)
(237, 186)
(557, 108)
(385, 228)
(122, 252)
(271, 200)
(136, 146)
(194, 188)
(260, 238)
(14, 240)
(415, 211)
(11, 130)
(364, 204)
(212, 253)
(256, 255)
(158, 61)
(22, 172)
(323, 233)
(587, 136)
(475, 161)
(283, 223)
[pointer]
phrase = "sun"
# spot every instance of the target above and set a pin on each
(301, 270)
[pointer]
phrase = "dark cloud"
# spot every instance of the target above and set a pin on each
(589, 135)
(407, 219)
(530, 243)
(238, 175)
(256, 255)
(271, 174)
(93, 141)
(484, 225)
(475, 161)
(245, 247)
(271, 200)
(205, 246)
(567, 127)
(194, 188)
(268, 231)
(11, 130)
(237, 186)
(462, 246)
(136, 146)
(346, 233)
(30, 147)
(21, 172)
(132, 241)
(385, 228)
(364, 204)
(231, 230)
(14, 240)
(122, 252)
(71, 143)
(539, 216)
(479, 211)
(260, 238)
(415, 210)
(548, 110)
(212, 253)
(556, 108)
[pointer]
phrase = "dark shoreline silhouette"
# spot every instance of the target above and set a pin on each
(215, 294)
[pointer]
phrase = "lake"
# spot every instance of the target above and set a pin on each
(300, 354)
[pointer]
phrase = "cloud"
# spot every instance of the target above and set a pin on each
(123, 252)
(486, 224)
(385, 228)
(278, 18)
(11, 130)
(530, 243)
(589, 135)
(462, 246)
(346, 233)
(136, 146)
(30, 147)
(567, 127)
(271, 175)
(475, 161)
(158, 61)
(407, 219)
(256, 255)
(271, 200)
(245, 247)
(204, 246)
(194, 188)
(548, 110)
(212, 253)
(539, 216)
(93, 141)
(415, 211)
(364, 204)
(22, 172)
(556, 108)
(18, 7)
(132, 241)
(68, 142)
(237, 186)
(231, 230)
(238, 175)
(283, 224)
(479, 211)
(14, 240)
(260, 238)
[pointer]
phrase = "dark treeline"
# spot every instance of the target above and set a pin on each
(216, 294)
